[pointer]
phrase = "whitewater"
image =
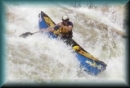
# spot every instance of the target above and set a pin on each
(38, 58)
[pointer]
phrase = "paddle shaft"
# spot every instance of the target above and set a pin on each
(40, 31)
(43, 29)
(29, 33)
(37, 32)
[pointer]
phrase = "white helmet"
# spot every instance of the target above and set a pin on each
(65, 17)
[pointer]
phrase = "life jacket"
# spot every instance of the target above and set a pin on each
(67, 34)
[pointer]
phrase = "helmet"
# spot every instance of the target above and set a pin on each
(76, 48)
(65, 17)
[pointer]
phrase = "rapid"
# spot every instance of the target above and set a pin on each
(38, 58)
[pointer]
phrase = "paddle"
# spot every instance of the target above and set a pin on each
(24, 35)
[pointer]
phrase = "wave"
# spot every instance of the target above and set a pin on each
(38, 58)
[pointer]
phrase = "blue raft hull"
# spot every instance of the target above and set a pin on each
(89, 65)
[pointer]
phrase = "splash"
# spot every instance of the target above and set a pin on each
(38, 58)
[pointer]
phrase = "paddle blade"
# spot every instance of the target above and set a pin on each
(24, 35)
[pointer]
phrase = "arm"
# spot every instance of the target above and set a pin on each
(53, 28)
(69, 28)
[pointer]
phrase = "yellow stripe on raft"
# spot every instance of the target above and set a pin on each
(48, 21)
(77, 49)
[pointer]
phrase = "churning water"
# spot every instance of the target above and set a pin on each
(38, 58)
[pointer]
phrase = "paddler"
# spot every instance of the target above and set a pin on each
(64, 29)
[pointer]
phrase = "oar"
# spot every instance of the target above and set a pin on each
(24, 35)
